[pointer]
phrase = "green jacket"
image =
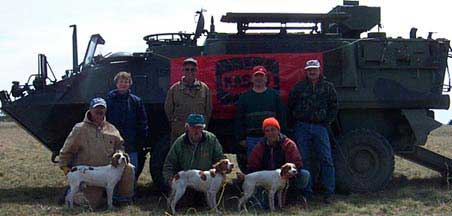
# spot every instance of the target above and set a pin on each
(183, 155)
(313, 104)
(253, 108)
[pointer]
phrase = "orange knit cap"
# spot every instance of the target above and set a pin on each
(270, 122)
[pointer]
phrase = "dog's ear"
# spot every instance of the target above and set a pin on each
(221, 166)
(176, 177)
(215, 165)
(115, 160)
(285, 170)
(212, 173)
(127, 158)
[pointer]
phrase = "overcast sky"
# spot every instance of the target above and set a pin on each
(28, 28)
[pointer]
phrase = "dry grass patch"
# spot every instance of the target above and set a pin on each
(31, 185)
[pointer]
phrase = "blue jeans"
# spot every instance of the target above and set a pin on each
(134, 160)
(312, 137)
(250, 143)
(301, 181)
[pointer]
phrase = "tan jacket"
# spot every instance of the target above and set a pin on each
(182, 100)
(89, 145)
(92, 146)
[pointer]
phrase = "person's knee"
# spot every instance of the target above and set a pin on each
(326, 160)
(303, 178)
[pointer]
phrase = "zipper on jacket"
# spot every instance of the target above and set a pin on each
(193, 155)
(98, 129)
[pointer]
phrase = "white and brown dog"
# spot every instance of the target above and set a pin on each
(101, 176)
(272, 180)
(208, 182)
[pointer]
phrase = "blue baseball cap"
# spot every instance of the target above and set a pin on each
(195, 120)
(95, 102)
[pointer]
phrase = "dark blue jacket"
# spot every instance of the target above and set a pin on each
(126, 112)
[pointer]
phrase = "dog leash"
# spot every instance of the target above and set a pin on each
(221, 194)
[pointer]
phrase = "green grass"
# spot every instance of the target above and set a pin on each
(30, 185)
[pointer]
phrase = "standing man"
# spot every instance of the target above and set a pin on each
(126, 112)
(253, 107)
(312, 105)
(274, 150)
(92, 143)
(185, 97)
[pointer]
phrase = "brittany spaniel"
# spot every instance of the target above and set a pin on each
(102, 176)
(208, 182)
(272, 180)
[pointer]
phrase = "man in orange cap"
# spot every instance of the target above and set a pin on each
(274, 150)
(253, 107)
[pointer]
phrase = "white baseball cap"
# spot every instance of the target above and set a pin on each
(312, 64)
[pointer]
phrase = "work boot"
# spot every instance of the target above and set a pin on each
(308, 196)
(303, 202)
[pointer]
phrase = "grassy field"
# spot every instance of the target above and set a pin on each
(31, 185)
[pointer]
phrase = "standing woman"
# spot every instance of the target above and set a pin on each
(127, 113)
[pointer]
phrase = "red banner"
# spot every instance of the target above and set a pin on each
(229, 75)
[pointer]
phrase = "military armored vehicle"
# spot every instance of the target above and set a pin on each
(386, 86)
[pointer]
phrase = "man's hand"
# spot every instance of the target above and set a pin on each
(65, 169)
(243, 143)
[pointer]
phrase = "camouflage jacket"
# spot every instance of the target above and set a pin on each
(184, 155)
(316, 104)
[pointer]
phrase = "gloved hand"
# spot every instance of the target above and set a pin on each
(65, 169)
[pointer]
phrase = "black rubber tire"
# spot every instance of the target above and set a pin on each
(158, 155)
(364, 162)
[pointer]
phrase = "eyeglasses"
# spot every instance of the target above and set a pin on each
(189, 69)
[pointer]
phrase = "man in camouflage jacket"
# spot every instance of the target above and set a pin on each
(313, 107)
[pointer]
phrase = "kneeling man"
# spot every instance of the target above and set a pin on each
(93, 143)
(274, 150)
(195, 149)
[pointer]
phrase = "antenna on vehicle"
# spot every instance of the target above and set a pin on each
(212, 25)
(74, 49)
(413, 33)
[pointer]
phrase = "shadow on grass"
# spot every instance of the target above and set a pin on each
(32, 195)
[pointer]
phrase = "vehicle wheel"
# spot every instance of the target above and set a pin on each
(158, 155)
(364, 161)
